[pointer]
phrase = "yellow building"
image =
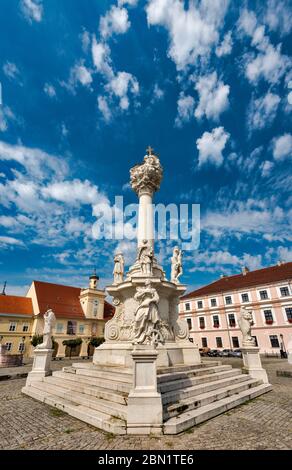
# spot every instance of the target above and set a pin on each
(80, 313)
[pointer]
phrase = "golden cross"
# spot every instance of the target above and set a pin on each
(149, 150)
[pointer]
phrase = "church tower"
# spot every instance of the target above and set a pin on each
(92, 299)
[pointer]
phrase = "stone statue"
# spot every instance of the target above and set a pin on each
(176, 265)
(145, 258)
(118, 271)
(245, 322)
(50, 320)
(146, 315)
(147, 175)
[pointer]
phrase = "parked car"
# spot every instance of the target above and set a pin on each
(236, 353)
(204, 351)
(226, 352)
(214, 353)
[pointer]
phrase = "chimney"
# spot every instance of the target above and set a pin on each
(280, 262)
(245, 270)
(223, 275)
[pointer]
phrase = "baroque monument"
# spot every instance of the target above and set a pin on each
(147, 377)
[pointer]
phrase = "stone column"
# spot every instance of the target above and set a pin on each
(41, 365)
(252, 363)
(61, 349)
(145, 229)
(144, 402)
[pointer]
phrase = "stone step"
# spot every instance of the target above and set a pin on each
(191, 418)
(88, 415)
(86, 389)
(194, 391)
(94, 372)
(190, 381)
(208, 397)
(191, 373)
(110, 385)
(105, 368)
(104, 406)
(185, 367)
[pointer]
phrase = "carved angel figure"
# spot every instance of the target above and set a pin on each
(146, 315)
(245, 322)
(176, 265)
(50, 320)
(118, 271)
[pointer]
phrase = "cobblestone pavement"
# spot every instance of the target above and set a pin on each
(263, 423)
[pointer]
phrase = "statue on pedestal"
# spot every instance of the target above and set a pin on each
(50, 320)
(146, 315)
(145, 258)
(118, 271)
(176, 265)
(245, 322)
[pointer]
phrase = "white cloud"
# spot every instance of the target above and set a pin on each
(120, 85)
(10, 70)
(225, 47)
(211, 146)
(6, 116)
(74, 192)
(49, 90)
(185, 108)
(213, 96)
(158, 93)
(32, 9)
(132, 3)
(267, 63)
(104, 108)
(278, 16)
(6, 242)
(282, 147)
(101, 58)
(192, 32)
(115, 21)
(81, 74)
(262, 111)
(85, 40)
(266, 168)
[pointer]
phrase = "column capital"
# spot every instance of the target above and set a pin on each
(146, 177)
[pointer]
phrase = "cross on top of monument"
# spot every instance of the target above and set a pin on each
(149, 150)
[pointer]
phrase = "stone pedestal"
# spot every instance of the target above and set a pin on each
(61, 349)
(41, 365)
(252, 363)
(84, 349)
(144, 402)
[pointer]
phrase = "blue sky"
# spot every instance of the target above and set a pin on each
(87, 85)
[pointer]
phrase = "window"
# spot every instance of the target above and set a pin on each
(8, 346)
(189, 321)
(21, 347)
(59, 328)
(202, 323)
(213, 303)
(284, 291)
(255, 340)
(200, 304)
(12, 326)
(244, 297)
(25, 328)
(231, 319)
(188, 306)
(268, 317)
(219, 343)
(274, 341)
(289, 314)
(235, 342)
(216, 323)
(71, 327)
(228, 300)
(263, 295)
(204, 343)
(95, 306)
(81, 329)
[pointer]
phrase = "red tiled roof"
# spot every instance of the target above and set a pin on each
(259, 277)
(63, 300)
(16, 305)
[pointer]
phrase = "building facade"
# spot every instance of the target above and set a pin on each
(80, 313)
(212, 311)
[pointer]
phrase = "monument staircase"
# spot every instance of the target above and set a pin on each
(191, 394)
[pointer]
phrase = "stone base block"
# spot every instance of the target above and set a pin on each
(252, 364)
(41, 365)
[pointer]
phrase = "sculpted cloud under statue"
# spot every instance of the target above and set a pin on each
(146, 301)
